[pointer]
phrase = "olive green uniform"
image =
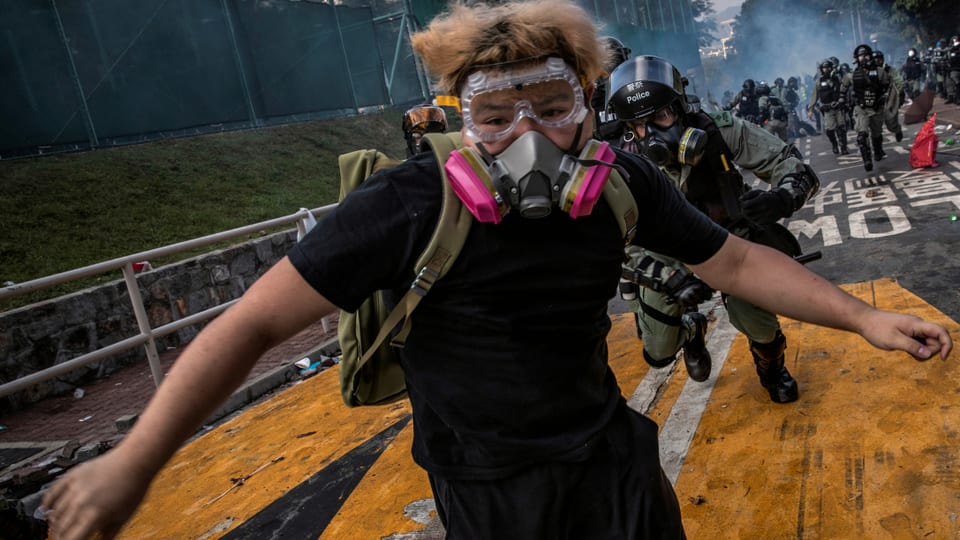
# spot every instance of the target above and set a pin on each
(769, 158)
(870, 94)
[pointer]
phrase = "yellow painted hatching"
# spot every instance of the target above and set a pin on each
(869, 451)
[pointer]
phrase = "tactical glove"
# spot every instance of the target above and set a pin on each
(687, 290)
(765, 207)
(673, 280)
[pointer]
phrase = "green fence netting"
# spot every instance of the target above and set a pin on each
(93, 73)
(80, 74)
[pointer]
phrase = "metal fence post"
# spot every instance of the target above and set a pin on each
(150, 346)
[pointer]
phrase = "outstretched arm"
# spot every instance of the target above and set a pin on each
(102, 494)
(775, 282)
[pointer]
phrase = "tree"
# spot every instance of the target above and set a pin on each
(704, 24)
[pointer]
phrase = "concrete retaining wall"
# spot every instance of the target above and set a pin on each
(47, 333)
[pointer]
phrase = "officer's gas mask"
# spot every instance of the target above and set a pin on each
(532, 174)
(667, 142)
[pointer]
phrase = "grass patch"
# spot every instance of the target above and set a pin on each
(67, 211)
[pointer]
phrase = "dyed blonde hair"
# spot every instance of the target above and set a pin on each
(468, 37)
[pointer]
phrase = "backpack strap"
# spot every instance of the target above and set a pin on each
(357, 166)
(621, 200)
(448, 238)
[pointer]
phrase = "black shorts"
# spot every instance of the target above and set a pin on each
(619, 493)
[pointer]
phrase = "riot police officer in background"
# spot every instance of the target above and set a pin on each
(826, 97)
(894, 98)
(952, 79)
(939, 62)
(773, 114)
(777, 90)
(870, 86)
(912, 73)
(419, 120)
(746, 102)
(607, 127)
(704, 168)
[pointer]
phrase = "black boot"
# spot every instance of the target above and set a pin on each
(898, 135)
(878, 148)
(695, 353)
(833, 141)
(864, 145)
(774, 376)
(842, 140)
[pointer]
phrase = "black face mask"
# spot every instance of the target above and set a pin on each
(674, 143)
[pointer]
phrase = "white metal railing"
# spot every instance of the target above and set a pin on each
(147, 336)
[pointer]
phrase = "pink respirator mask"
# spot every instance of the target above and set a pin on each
(531, 175)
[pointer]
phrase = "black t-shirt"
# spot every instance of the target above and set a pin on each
(506, 363)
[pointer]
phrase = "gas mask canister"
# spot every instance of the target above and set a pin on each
(532, 174)
(661, 144)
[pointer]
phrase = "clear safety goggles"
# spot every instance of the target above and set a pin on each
(495, 99)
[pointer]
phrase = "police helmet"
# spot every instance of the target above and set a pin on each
(643, 85)
(826, 66)
(911, 53)
(878, 59)
(778, 81)
(763, 89)
(422, 119)
(749, 84)
(835, 61)
(619, 51)
(863, 55)
(793, 83)
(844, 68)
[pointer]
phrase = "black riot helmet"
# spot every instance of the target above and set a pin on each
(826, 67)
(643, 85)
(844, 68)
(619, 52)
(835, 61)
(878, 59)
(912, 53)
(763, 89)
(778, 81)
(863, 55)
(749, 87)
(793, 83)
(640, 89)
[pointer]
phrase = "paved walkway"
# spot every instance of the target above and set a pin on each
(92, 417)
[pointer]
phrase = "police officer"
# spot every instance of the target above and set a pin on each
(940, 64)
(912, 72)
(746, 102)
(870, 86)
(607, 127)
(421, 119)
(895, 96)
(952, 79)
(773, 114)
(777, 90)
(704, 168)
(826, 97)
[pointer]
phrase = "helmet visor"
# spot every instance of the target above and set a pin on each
(427, 117)
(496, 99)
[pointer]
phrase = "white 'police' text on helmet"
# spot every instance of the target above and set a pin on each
(643, 85)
